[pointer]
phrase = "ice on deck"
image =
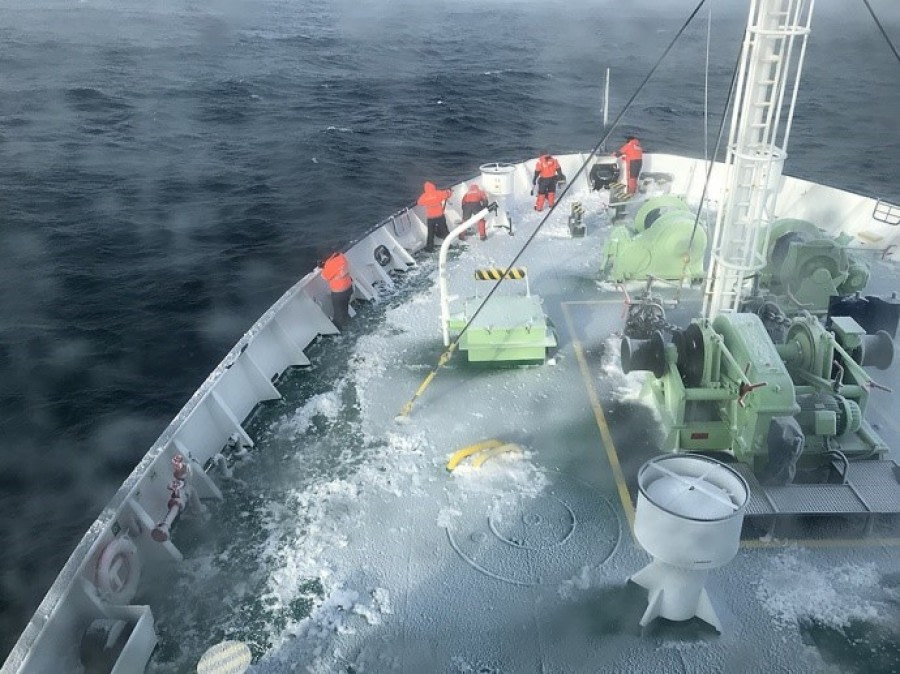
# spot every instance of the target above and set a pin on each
(520, 565)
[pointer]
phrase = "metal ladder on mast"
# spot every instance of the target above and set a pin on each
(757, 147)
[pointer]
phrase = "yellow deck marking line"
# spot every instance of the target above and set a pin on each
(600, 418)
(502, 449)
(461, 454)
(625, 495)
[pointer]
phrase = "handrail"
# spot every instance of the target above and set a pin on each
(442, 269)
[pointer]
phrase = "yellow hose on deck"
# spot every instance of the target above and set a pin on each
(461, 454)
(508, 447)
(407, 408)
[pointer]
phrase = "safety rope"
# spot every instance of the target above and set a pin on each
(881, 28)
(445, 357)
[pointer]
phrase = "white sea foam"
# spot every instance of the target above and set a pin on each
(326, 405)
(793, 589)
(508, 473)
(627, 386)
(308, 533)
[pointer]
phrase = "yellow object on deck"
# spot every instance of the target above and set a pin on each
(489, 448)
(443, 360)
(502, 449)
(461, 454)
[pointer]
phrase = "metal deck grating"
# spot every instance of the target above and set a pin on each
(872, 488)
(815, 499)
(879, 484)
(757, 504)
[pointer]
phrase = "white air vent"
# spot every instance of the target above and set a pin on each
(689, 515)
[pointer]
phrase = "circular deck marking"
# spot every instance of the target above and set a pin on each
(533, 523)
(536, 540)
(226, 657)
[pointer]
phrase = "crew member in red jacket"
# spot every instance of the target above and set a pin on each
(633, 154)
(336, 270)
(473, 201)
(547, 173)
(434, 201)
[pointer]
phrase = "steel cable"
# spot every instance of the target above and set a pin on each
(881, 28)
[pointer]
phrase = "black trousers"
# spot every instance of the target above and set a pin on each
(340, 303)
(634, 168)
(547, 185)
(470, 208)
(436, 226)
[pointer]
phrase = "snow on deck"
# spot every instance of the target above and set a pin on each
(364, 554)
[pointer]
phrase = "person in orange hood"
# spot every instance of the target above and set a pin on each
(434, 201)
(633, 154)
(547, 173)
(473, 201)
(336, 270)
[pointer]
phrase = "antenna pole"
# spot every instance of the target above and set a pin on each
(606, 102)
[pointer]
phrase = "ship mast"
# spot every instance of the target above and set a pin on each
(771, 62)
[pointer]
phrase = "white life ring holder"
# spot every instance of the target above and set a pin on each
(118, 571)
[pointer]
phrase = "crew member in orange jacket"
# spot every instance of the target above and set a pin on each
(473, 201)
(547, 173)
(633, 154)
(336, 270)
(434, 201)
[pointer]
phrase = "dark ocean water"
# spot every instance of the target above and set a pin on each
(167, 170)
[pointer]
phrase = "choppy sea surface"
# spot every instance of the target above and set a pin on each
(167, 170)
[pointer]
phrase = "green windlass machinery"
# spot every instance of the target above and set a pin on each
(805, 268)
(723, 385)
(759, 376)
(662, 243)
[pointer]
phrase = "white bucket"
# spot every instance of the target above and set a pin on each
(497, 178)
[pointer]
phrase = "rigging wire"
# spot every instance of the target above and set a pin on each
(445, 356)
(706, 157)
(881, 28)
(706, 85)
(712, 159)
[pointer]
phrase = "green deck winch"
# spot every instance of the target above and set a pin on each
(725, 386)
(805, 267)
(662, 242)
